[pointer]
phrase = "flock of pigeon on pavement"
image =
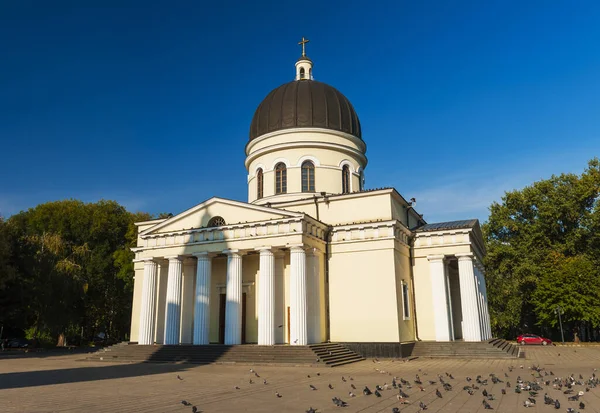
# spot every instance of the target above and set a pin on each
(542, 380)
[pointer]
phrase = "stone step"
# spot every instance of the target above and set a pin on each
(493, 348)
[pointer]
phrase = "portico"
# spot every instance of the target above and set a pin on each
(266, 268)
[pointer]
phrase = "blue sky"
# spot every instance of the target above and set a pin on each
(149, 103)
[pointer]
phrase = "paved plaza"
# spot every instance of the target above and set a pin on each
(55, 383)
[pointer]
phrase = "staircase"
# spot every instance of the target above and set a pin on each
(218, 353)
(493, 349)
(334, 354)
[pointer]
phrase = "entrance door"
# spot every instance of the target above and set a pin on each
(222, 302)
(244, 318)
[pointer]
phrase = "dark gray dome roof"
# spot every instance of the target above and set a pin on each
(305, 104)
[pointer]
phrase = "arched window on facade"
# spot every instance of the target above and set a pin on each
(280, 178)
(308, 176)
(302, 73)
(216, 222)
(259, 184)
(345, 179)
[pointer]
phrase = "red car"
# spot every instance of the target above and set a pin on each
(533, 339)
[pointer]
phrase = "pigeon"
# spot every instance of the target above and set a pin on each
(237, 387)
(311, 410)
(179, 377)
(312, 387)
(486, 405)
(548, 399)
(250, 381)
(353, 386)
(251, 370)
(403, 394)
(350, 394)
(278, 395)
(469, 379)
(330, 386)
(339, 402)
(484, 392)
(343, 379)
(422, 406)
(265, 381)
(582, 405)
(367, 391)
(378, 387)
(256, 374)
(395, 410)
(194, 409)
(556, 404)
(571, 410)
(431, 382)
(186, 403)
(437, 393)
(377, 393)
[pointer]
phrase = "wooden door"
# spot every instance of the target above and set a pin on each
(222, 302)
(244, 318)
(288, 325)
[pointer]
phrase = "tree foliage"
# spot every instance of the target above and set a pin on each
(543, 251)
(70, 269)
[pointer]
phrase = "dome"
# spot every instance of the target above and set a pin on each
(305, 104)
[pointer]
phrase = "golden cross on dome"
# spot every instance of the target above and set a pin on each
(303, 43)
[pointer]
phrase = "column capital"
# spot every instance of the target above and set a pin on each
(144, 260)
(436, 258)
(465, 256)
(203, 255)
(265, 249)
(174, 257)
(297, 247)
(234, 252)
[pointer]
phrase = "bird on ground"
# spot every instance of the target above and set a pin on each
(367, 391)
(484, 392)
(469, 379)
(377, 393)
(265, 381)
(330, 386)
(574, 398)
(431, 382)
(556, 404)
(422, 406)
(421, 388)
(194, 409)
(350, 394)
(402, 400)
(503, 391)
(353, 386)
(486, 405)
(312, 387)
(250, 381)
(251, 370)
(311, 410)
(582, 405)
(471, 392)
(571, 410)
(186, 403)
(437, 393)
(179, 377)
(395, 410)
(403, 394)
(343, 379)
(308, 376)
(237, 387)
(378, 387)
(278, 395)
(256, 374)
(339, 402)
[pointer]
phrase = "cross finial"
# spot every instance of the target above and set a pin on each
(303, 43)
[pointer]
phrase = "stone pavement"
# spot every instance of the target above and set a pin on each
(54, 383)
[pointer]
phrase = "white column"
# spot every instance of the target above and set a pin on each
(484, 305)
(173, 302)
(313, 266)
(187, 300)
(468, 298)
(148, 310)
(438, 294)
(298, 310)
(449, 295)
(233, 305)
(266, 298)
(202, 299)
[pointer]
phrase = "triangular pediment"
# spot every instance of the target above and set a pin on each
(232, 212)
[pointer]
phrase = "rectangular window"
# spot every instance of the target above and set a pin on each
(405, 301)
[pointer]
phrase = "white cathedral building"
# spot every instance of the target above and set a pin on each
(312, 256)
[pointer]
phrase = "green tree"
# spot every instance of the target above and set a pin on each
(535, 237)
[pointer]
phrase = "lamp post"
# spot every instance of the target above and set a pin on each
(558, 310)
